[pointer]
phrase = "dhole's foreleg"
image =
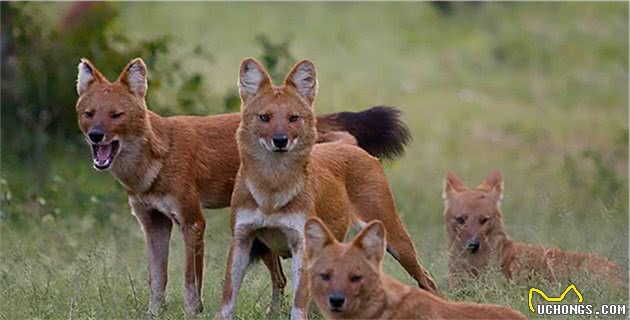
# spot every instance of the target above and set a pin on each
(237, 262)
(299, 281)
(457, 273)
(278, 280)
(193, 232)
(157, 234)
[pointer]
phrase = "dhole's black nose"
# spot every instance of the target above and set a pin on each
(336, 300)
(473, 245)
(280, 140)
(96, 135)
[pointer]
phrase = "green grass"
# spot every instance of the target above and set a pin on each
(536, 90)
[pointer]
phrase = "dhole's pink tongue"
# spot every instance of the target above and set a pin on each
(103, 152)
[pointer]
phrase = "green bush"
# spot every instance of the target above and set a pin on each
(276, 57)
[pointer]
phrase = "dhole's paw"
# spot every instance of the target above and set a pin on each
(298, 314)
(277, 299)
(193, 309)
(156, 308)
(223, 315)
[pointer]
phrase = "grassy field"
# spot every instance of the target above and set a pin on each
(539, 91)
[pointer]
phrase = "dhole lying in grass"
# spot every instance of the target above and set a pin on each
(474, 228)
(347, 282)
(171, 167)
(285, 177)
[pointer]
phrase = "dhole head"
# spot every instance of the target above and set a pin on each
(343, 276)
(109, 113)
(277, 119)
(472, 216)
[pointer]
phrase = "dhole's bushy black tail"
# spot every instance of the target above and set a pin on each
(378, 130)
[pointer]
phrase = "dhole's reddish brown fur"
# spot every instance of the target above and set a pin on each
(477, 240)
(171, 167)
(347, 282)
(285, 178)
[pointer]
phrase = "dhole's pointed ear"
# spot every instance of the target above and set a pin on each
(452, 185)
(252, 78)
(372, 241)
(317, 236)
(134, 76)
(493, 184)
(87, 75)
(303, 78)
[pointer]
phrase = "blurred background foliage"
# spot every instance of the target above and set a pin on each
(538, 90)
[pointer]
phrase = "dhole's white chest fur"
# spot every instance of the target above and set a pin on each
(279, 231)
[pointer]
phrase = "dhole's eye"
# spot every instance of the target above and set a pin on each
(325, 276)
(356, 278)
(88, 114)
(117, 115)
(483, 220)
(460, 220)
(294, 118)
(264, 117)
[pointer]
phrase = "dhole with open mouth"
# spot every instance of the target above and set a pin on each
(285, 177)
(171, 167)
(347, 282)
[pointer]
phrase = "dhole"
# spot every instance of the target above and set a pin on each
(171, 167)
(474, 228)
(284, 178)
(348, 283)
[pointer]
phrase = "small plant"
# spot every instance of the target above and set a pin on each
(276, 57)
(606, 182)
(595, 173)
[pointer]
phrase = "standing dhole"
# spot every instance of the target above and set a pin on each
(284, 178)
(171, 167)
(475, 235)
(348, 282)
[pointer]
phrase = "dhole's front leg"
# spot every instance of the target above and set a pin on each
(157, 234)
(299, 279)
(193, 227)
(237, 262)
(455, 276)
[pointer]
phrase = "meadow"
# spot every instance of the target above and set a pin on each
(537, 90)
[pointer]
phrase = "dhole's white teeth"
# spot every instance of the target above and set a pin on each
(293, 143)
(264, 144)
(104, 163)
